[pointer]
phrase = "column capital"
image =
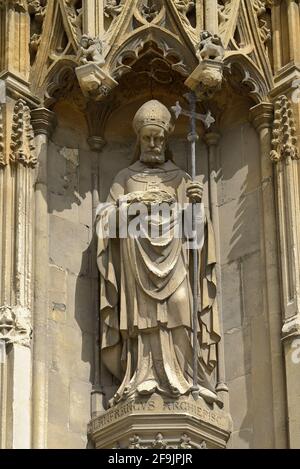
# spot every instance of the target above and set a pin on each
(262, 116)
(96, 143)
(212, 138)
(43, 121)
(291, 328)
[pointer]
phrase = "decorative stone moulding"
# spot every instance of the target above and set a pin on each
(161, 423)
(206, 79)
(94, 82)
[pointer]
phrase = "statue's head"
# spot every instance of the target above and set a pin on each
(84, 41)
(205, 35)
(153, 124)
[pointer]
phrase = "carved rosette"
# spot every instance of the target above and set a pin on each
(22, 142)
(284, 141)
(15, 325)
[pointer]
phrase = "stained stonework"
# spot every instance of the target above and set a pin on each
(73, 74)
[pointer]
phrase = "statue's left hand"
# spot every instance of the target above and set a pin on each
(194, 191)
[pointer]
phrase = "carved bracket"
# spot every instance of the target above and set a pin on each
(206, 79)
(94, 82)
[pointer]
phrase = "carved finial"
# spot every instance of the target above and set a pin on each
(22, 143)
(284, 142)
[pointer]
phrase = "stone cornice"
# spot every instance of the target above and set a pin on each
(17, 88)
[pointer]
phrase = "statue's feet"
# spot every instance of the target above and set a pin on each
(209, 396)
(147, 387)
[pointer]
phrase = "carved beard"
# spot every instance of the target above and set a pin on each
(153, 157)
(137, 156)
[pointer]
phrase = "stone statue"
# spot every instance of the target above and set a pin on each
(146, 296)
(211, 47)
(112, 8)
(184, 6)
(90, 50)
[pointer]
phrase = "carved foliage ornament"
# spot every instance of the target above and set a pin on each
(22, 143)
(284, 142)
(159, 442)
(15, 325)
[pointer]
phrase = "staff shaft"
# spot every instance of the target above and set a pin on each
(193, 139)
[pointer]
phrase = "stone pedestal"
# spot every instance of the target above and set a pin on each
(161, 423)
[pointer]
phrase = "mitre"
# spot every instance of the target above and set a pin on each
(153, 113)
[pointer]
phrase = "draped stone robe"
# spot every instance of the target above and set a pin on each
(146, 298)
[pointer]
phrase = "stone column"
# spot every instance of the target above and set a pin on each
(211, 16)
(96, 144)
(16, 37)
(43, 122)
(277, 35)
(212, 140)
(293, 29)
(262, 119)
(285, 155)
(16, 281)
(93, 17)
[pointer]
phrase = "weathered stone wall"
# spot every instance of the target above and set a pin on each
(245, 318)
(71, 307)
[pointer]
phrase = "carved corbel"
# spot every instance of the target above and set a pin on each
(97, 115)
(94, 82)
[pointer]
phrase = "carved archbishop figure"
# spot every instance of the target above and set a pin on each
(146, 297)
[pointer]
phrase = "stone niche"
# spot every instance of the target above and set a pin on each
(161, 423)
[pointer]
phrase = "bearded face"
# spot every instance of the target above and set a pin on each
(152, 144)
